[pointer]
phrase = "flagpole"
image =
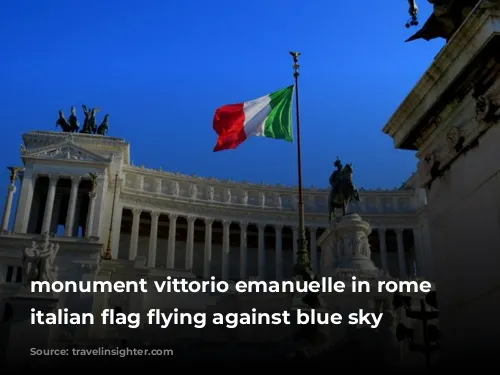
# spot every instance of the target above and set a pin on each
(303, 265)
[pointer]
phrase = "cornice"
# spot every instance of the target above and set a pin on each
(39, 136)
(89, 142)
(470, 38)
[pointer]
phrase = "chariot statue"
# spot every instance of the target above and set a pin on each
(342, 190)
(72, 125)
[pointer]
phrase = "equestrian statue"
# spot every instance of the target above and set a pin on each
(342, 190)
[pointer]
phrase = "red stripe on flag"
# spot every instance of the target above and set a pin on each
(228, 124)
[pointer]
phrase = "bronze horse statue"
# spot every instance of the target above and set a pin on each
(343, 190)
(63, 123)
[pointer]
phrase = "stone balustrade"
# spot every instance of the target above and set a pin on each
(271, 197)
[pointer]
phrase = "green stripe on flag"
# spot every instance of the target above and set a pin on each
(278, 124)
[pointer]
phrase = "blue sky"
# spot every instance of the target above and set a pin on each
(161, 68)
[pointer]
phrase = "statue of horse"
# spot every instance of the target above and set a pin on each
(63, 123)
(103, 128)
(343, 191)
(73, 121)
(89, 124)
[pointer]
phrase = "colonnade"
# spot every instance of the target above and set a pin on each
(48, 212)
(243, 225)
(243, 256)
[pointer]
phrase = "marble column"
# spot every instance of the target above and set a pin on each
(153, 238)
(89, 229)
(314, 248)
(134, 235)
(261, 260)
(243, 249)
(383, 249)
(225, 249)
(401, 254)
(207, 261)
(279, 251)
(56, 211)
(117, 217)
(25, 201)
(190, 243)
(8, 207)
(172, 231)
(70, 215)
(295, 245)
(49, 205)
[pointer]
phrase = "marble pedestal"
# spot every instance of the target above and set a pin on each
(346, 255)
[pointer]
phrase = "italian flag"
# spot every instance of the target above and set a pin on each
(268, 116)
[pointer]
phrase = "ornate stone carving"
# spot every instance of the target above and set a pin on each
(226, 223)
(158, 185)
(244, 197)
(431, 160)
(193, 191)
(136, 211)
(488, 107)
(14, 173)
(175, 188)
(173, 217)
(39, 261)
(277, 200)
(345, 246)
(93, 178)
(356, 244)
(208, 221)
(67, 153)
(454, 138)
(210, 193)
(243, 225)
(262, 199)
(191, 219)
(228, 196)
(140, 182)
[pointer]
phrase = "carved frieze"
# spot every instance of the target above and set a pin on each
(458, 138)
(210, 193)
(488, 108)
(64, 151)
